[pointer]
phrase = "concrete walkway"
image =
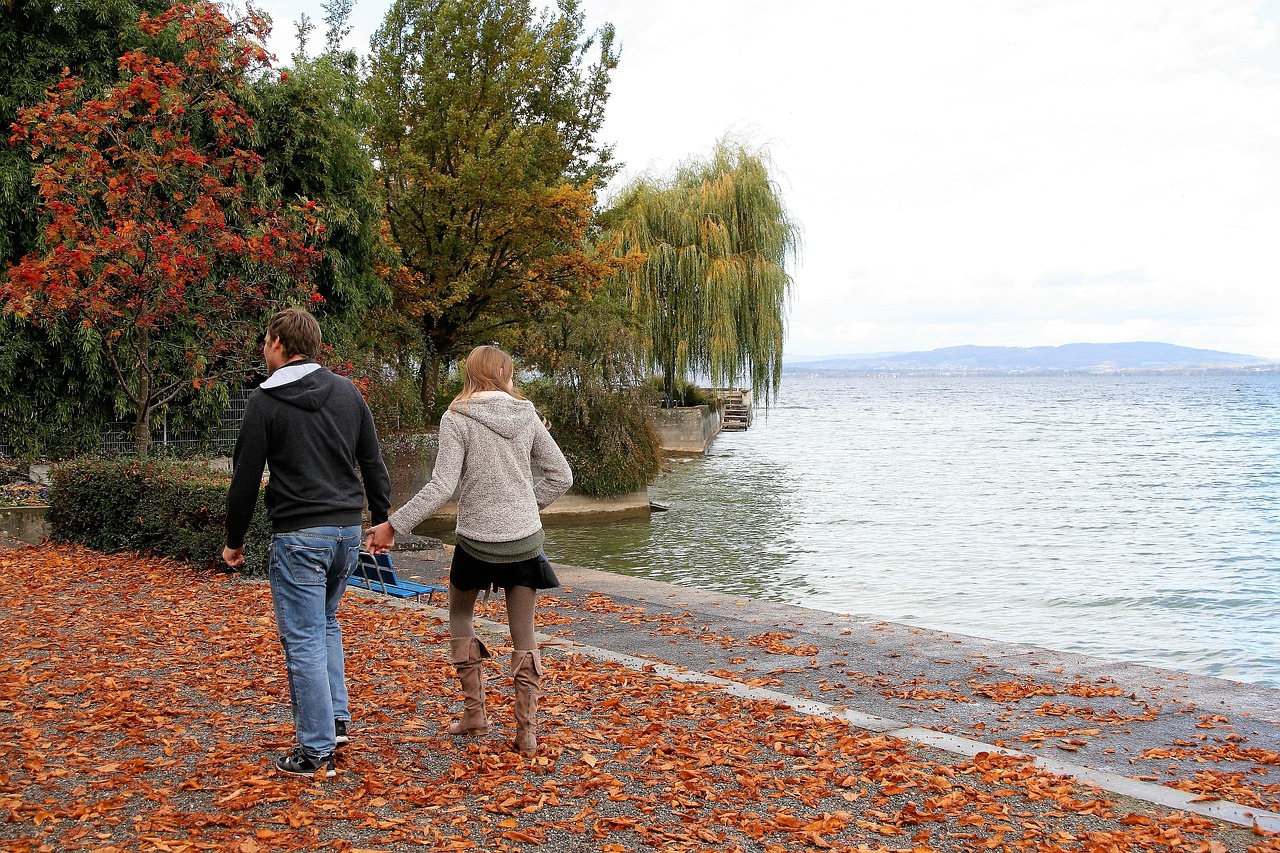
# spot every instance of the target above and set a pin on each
(1197, 744)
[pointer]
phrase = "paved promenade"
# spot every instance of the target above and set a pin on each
(1205, 745)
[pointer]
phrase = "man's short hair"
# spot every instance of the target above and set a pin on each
(297, 331)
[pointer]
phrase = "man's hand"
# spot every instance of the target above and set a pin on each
(233, 557)
(380, 539)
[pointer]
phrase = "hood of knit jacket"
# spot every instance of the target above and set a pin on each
(496, 410)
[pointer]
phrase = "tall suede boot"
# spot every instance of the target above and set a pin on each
(467, 654)
(526, 671)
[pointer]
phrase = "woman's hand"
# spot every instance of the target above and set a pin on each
(380, 538)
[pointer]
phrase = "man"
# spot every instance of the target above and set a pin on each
(311, 428)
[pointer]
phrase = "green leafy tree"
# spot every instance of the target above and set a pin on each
(485, 138)
(337, 13)
(712, 292)
(310, 120)
(590, 343)
(161, 240)
(55, 389)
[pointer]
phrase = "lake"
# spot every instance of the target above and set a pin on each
(1131, 517)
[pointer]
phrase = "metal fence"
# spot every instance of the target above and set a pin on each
(118, 439)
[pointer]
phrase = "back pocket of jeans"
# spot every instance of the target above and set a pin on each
(305, 564)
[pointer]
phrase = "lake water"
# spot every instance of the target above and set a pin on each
(1136, 518)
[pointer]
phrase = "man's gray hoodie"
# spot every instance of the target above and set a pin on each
(486, 444)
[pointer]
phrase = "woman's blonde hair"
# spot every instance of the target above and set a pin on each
(487, 369)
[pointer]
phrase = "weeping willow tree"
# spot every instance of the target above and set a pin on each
(713, 291)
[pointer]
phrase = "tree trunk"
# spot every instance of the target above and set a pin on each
(668, 385)
(142, 419)
(430, 385)
(142, 432)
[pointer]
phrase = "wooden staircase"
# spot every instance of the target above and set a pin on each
(736, 414)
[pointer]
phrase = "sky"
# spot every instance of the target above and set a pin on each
(993, 172)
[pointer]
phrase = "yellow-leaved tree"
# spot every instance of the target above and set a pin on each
(712, 292)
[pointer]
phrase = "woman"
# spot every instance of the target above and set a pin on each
(488, 437)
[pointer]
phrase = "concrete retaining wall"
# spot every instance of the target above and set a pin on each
(686, 431)
(570, 509)
(24, 523)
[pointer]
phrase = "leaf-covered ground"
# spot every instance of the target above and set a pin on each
(141, 702)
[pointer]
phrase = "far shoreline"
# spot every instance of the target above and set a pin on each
(1039, 373)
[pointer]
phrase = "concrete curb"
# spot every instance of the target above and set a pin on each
(28, 524)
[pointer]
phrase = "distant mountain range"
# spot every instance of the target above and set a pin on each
(1068, 358)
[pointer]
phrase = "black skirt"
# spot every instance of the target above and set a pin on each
(470, 572)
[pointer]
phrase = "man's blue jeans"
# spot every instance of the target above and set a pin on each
(309, 571)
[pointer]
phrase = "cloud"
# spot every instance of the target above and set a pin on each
(1056, 307)
(1072, 296)
(992, 170)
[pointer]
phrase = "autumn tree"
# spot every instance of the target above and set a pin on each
(55, 387)
(38, 39)
(486, 115)
(713, 290)
(160, 237)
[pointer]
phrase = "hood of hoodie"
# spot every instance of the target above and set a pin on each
(303, 384)
(497, 410)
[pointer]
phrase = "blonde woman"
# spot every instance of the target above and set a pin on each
(488, 437)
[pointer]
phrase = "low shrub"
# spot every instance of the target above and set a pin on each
(163, 507)
(605, 435)
(684, 394)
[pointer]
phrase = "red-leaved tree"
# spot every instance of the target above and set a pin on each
(160, 236)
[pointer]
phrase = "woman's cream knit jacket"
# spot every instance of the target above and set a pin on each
(486, 444)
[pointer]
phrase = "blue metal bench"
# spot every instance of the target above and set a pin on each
(375, 573)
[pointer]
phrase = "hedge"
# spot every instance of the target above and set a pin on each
(164, 507)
